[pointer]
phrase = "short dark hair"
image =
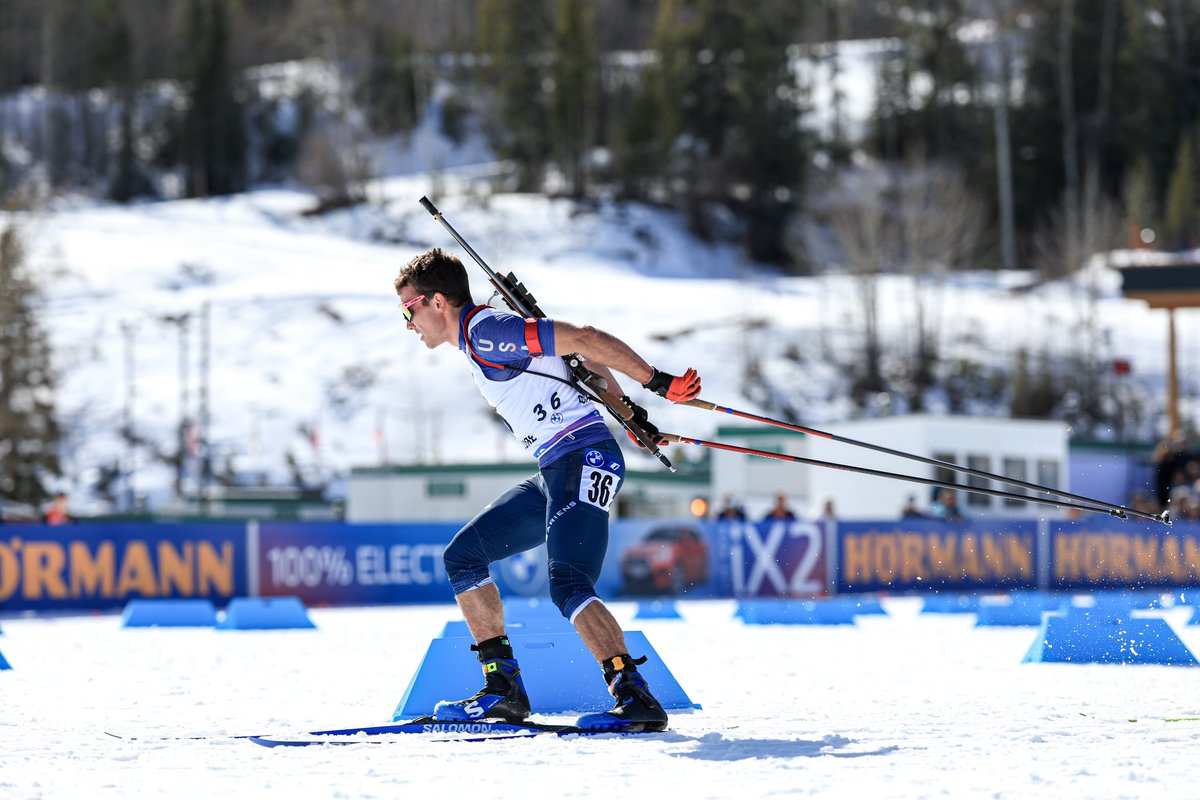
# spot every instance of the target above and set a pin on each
(437, 271)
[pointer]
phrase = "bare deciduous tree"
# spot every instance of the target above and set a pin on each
(1067, 246)
(939, 224)
(331, 165)
(862, 231)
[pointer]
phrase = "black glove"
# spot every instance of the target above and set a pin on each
(641, 420)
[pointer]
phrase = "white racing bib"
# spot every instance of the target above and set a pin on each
(597, 484)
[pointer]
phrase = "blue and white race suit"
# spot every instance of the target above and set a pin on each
(581, 468)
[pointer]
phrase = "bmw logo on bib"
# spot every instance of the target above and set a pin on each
(594, 458)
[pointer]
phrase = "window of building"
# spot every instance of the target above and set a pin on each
(1047, 472)
(983, 464)
(943, 474)
(1014, 468)
(443, 487)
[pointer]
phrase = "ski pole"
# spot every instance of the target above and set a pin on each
(1114, 511)
(704, 404)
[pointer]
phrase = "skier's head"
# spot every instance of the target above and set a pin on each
(433, 290)
(436, 271)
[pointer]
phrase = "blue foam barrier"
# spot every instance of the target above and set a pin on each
(1187, 597)
(1119, 601)
(529, 607)
(865, 604)
(544, 624)
(950, 604)
(169, 614)
(1021, 609)
(830, 611)
(559, 673)
(1081, 636)
(3, 663)
(265, 613)
(657, 609)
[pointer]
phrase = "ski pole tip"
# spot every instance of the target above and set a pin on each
(1165, 517)
(428, 206)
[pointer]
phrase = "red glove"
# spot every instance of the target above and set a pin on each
(652, 437)
(676, 388)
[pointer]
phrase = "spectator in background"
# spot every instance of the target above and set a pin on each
(1184, 507)
(56, 512)
(1181, 501)
(910, 510)
(945, 507)
(828, 511)
(1170, 459)
(780, 511)
(731, 510)
(1191, 477)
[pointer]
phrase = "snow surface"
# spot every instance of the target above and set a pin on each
(306, 334)
(904, 706)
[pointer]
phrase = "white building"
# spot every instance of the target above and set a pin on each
(1034, 451)
(1031, 450)
(456, 492)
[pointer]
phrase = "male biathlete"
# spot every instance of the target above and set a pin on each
(566, 504)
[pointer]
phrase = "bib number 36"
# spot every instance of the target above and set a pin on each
(598, 487)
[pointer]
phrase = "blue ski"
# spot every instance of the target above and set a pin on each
(445, 731)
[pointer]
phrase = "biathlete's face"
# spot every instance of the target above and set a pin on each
(421, 314)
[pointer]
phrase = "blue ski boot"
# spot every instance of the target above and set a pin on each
(636, 709)
(503, 694)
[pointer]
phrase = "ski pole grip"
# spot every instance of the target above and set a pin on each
(430, 207)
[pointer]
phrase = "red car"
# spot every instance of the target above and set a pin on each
(667, 561)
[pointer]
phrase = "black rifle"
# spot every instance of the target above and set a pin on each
(522, 302)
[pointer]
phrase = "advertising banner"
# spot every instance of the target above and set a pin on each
(776, 558)
(1109, 553)
(101, 565)
(922, 555)
(339, 563)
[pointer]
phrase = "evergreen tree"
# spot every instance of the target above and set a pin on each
(213, 136)
(1182, 224)
(388, 91)
(515, 37)
(112, 56)
(741, 111)
(29, 433)
(574, 94)
(650, 127)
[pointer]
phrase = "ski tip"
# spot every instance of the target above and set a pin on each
(267, 741)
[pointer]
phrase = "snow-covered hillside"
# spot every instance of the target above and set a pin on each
(310, 357)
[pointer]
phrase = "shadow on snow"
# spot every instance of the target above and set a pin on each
(715, 747)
